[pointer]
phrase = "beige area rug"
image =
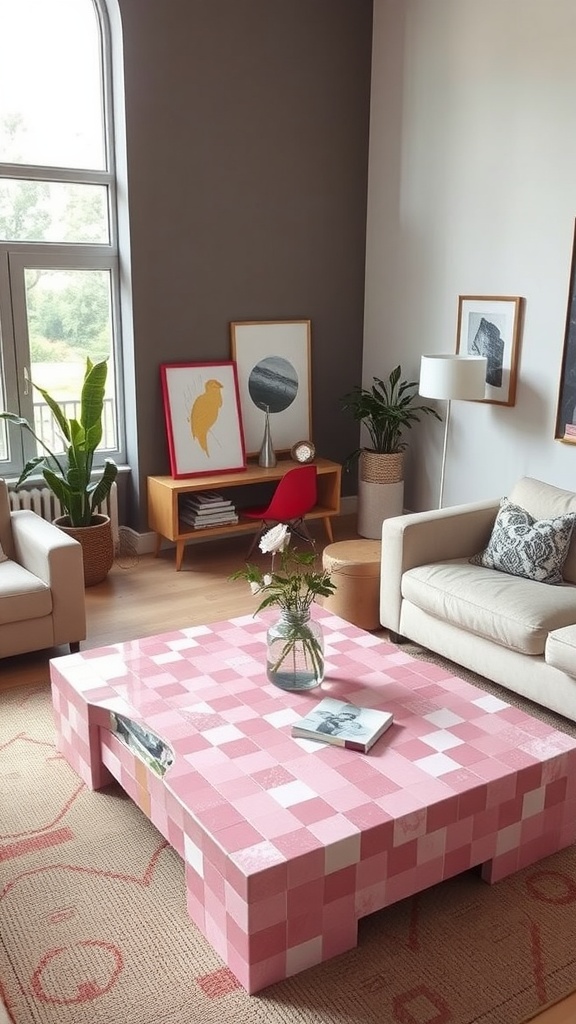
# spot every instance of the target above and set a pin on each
(94, 927)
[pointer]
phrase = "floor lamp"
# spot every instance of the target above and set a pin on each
(452, 377)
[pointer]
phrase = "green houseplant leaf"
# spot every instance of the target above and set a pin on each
(69, 475)
(386, 409)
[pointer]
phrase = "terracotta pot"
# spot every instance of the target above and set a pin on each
(97, 546)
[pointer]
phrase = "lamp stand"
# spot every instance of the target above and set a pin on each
(442, 474)
(452, 376)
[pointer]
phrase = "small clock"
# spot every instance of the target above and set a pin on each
(303, 451)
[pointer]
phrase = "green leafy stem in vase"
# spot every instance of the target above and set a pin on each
(293, 586)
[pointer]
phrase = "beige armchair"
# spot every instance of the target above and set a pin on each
(42, 601)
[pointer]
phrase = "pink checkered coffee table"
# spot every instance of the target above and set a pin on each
(286, 842)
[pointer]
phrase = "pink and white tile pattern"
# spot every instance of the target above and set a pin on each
(287, 842)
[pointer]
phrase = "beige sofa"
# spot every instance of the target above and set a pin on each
(514, 631)
(41, 583)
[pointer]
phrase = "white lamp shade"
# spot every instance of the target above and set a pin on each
(453, 377)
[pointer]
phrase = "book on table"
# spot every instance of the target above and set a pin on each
(343, 724)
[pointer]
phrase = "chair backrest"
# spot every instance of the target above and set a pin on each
(294, 496)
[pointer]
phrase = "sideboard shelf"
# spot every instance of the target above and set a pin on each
(164, 492)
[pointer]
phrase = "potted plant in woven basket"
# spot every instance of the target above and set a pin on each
(386, 410)
(69, 475)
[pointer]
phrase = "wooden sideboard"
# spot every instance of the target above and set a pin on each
(164, 493)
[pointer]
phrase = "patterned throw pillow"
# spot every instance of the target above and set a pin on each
(3, 556)
(523, 546)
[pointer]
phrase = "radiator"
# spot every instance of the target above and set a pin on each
(45, 504)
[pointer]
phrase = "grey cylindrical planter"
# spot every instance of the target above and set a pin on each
(377, 502)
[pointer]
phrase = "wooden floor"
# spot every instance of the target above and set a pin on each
(144, 595)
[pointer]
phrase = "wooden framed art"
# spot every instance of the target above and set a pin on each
(273, 362)
(566, 414)
(203, 424)
(489, 325)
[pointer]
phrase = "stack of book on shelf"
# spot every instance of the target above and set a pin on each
(207, 508)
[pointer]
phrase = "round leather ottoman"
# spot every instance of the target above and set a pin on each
(355, 569)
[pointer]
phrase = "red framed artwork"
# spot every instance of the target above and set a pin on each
(203, 422)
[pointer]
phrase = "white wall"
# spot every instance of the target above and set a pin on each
(472, 191)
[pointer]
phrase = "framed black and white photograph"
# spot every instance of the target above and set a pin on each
(489, 325)
(566, 415)
(273, 363)
(202, 411)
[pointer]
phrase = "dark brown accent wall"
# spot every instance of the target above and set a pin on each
(247, 128)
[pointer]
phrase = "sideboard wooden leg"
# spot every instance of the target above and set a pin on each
(328, 527)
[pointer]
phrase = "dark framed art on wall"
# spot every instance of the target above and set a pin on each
(489, 325)
(273, 363)
(566, 413)
(202, 412)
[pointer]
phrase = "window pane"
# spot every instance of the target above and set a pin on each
(45, 211)
(69, 318)
(51, 84)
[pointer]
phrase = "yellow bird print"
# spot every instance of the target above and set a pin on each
(205, 411)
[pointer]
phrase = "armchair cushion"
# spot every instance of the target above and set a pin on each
(23, 596)
(521, 545)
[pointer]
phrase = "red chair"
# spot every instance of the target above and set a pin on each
(295, 495)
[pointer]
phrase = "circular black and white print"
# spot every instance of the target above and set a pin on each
(273, 382)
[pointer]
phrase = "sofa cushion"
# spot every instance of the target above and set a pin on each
(524, 546)
(22, 595)
(560, 650)
(545, 501)
(508, 610)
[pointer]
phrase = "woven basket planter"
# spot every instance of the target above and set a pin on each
(97, 546)
(380, 490)
(376, 468)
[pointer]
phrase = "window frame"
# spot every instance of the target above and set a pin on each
(17, 256)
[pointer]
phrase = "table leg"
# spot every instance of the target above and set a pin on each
(179, 554)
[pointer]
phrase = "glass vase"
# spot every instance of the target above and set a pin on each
(295, 654)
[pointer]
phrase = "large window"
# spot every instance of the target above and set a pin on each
(59, 281)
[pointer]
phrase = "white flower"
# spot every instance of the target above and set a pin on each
(255, 587)
(276, 539)
(266, 579)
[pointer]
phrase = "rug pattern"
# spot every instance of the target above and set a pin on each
(94, 925)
